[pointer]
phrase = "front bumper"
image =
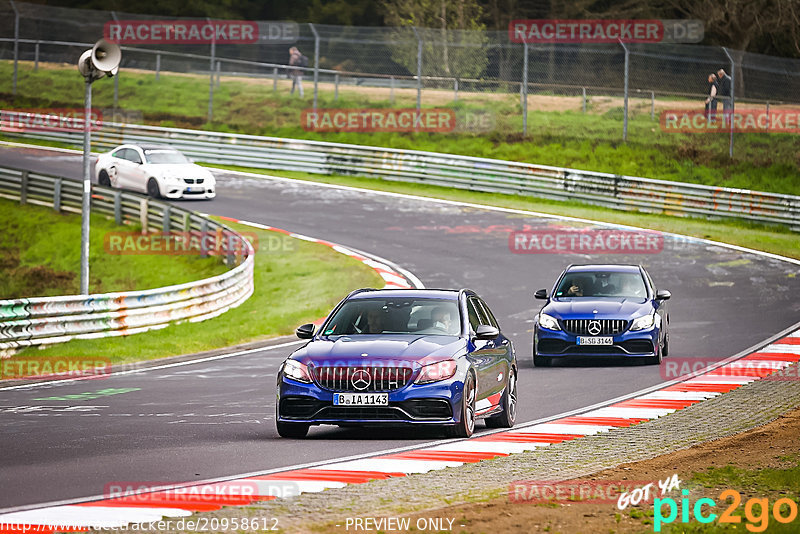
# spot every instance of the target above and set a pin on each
(420, 404)
(560, 344)
(175, 190)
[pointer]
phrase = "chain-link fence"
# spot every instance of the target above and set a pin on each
(422, 67)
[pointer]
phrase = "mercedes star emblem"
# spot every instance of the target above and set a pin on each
(594, 327)
(360, 379)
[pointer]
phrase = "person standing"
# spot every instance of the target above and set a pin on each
(296, 59)
(724, 93)
(711, 100)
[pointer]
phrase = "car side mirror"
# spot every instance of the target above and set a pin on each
(663, 294)
(486, 332)
(540, 294)
(305, 331)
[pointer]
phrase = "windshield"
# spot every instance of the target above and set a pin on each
(396, 316)
(165, 156)
(602, 284)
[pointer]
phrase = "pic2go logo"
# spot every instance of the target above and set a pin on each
(756, 511)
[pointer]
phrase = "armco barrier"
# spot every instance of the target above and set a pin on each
(461, 172)
(46, 320)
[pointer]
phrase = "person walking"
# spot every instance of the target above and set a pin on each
(724, 94)
(711, 100)
(296, 59)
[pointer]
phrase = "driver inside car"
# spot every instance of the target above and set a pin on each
(441, 319)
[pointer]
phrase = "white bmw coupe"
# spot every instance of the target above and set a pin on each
(159, 171)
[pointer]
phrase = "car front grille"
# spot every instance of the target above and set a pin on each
(193, 181)
(361, 379)
(608, 327)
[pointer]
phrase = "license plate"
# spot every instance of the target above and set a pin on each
(195, 189)
(595, 341)
(360, 399)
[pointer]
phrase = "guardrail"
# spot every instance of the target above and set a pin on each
(47, 320)
(461, 172)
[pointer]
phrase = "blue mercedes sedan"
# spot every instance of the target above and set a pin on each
(601, 311)
(396, 357)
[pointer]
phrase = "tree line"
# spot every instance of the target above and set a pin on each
(762, 26)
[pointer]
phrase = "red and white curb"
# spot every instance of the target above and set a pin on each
(394, 277)
(184, 501)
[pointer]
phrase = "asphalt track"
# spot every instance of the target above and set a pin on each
(215, 418)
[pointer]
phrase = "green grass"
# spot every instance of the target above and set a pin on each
(774, 239)
(295, 284)
(40, 256)
(767, 162)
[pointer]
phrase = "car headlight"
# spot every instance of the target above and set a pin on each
(548, 321)
(296, 370)
(437, 371)
(643, 322)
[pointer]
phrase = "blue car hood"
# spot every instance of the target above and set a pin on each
(383, 349)
(607, 308)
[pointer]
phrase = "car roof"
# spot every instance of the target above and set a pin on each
(446, 294)
(147, 146)
(158, 147)
(607, 267)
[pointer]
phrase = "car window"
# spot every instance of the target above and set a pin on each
(120, 153)
(133, 155)
(602, 284)
(650, 282)
(488, 314)
(395, 316)
(475, 312)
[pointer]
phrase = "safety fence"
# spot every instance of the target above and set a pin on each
(426, 65)
(448, 170)
(47, 320)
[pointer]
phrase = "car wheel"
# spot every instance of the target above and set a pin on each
(152, 188)
(509, 404)
(541, 361)
(292, 430)
(466, 426)
(658, 358)
(103, 179)
(665, 348)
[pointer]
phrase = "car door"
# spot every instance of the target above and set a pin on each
(137, 175)
(117, 168)
(503, 354)
(659, 305)
(484, 354)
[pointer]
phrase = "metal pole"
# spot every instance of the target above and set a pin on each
(16, 46)
(336, 87)
(525, 89)
(455, 89)
(316, 63)
(116, 78)
(419, 69)
(219, 68)
(36, 57)
(733, 100)
(211, 80)
(116, 93)
(275, 78)
(584, 99)
(625, 107)
(391, 89)
(87, 187)
(652, 105)
(158, 66)
(767, 114)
